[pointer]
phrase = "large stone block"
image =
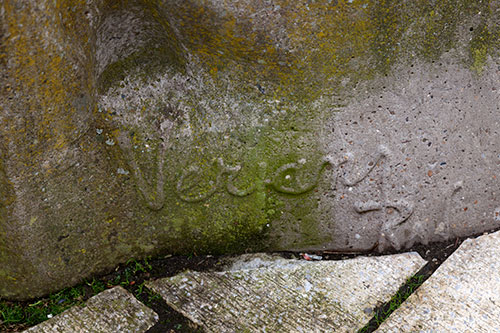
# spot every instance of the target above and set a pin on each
(131, 128)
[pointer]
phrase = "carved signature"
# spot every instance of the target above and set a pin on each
(404, 209)
(224, 171)
(285, 179)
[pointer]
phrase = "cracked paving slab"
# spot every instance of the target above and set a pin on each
(461, 296)
(113, 310)
(269, 294)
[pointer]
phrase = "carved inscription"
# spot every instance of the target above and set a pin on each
(227, 172)
(398, 210)
(155, 198)
(153, 195)
(289, 172)
(381, 152)
(443, 228)
(285, 179)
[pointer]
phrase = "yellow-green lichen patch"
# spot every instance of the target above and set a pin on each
(309, 50)
(331, 41)
(223, 41)
(309, 44)
(42, 72)
(483, 43)
(388, 21)
(435, 28)
(406, 31)
(438, 23)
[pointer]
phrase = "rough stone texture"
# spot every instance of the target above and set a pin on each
(134, 127)
(113, 310)
(461, 296)
(277, 295)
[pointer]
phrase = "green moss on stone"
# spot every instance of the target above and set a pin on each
(480, 46)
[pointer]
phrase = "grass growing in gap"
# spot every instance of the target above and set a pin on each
(17, 316)
(412, 284)
(382, 313)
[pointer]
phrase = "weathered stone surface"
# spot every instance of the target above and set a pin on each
(461, 296)
(63, 214)
(277, 295)
(134, 127)
(113, 310)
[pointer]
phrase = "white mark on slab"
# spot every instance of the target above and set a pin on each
(122, 171)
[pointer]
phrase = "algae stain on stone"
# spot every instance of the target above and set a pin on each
(482, 44)
(223, 222)
(5, 195)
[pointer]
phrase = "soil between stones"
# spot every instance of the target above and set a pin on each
(171, 321)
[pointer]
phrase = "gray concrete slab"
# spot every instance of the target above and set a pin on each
(276, 295)
(461, 296)
(113, 310)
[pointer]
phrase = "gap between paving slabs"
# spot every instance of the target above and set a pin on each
(172, 321)
(132, 276)
(18, 316)
(435, 254)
